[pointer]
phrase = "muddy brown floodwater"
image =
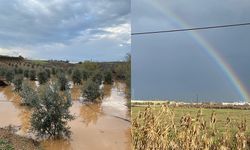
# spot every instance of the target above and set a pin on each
(103, 126)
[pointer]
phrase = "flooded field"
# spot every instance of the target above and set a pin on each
(96, 126)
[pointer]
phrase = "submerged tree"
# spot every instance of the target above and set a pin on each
(85, 75)
(9, 75)
(91, 91)
(29, 95)
(97, 77)
(42, 77)
(26, 73)
(51, 115)
(32, 75)
(18, 83)
(63, 82)
(108, 77)
(48, 72)
(77, 76)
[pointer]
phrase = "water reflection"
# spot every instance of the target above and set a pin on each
(107, 90)
(90, 113)
(75, 92)
(97, 126)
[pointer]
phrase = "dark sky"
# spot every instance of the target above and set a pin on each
(65, 29)
(174, 65)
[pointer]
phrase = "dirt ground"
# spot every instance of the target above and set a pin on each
(18, 142)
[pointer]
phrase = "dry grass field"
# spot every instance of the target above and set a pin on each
(166, 127)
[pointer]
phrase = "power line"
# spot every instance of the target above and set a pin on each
(191, 29)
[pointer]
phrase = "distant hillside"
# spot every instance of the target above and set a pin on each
(10, 58)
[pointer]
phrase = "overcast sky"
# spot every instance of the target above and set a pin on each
(174, 65)
(65, 29)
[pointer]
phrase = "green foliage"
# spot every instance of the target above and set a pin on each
(63, 82)
(9, 76)
(53, 71)
(26, 73)
(42, 77)
(90, 66)
(85, 75)
(20, 71)
(5, 145)
(18, 83)
(91, 91)
(97, 77)
(29, 95)
(76, 77)
(48, 73)
(50, 117)
(32, 75)
(2, 71)
(108, 77)
(69, 71)
(128, 75)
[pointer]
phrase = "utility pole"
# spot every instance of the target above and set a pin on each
(197, 98)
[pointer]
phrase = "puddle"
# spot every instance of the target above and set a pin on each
(103, 126)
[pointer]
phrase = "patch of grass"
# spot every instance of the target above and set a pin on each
(39, 62)
(5, 145)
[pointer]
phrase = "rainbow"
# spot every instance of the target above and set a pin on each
(209, 49)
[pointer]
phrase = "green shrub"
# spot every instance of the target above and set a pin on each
(9, 76)
(97, 77)
(42, 77)
(5, 145)
(85, 75)
(18, 83)
(29, 95)
(48, 73)
(69, 71)
(26, 73)
(20, 71)
(3, 71)
(76, 77)
(108, 77)
(91, 91)
(53, 71)
(50, 117)
(32, 75)
(63, 82)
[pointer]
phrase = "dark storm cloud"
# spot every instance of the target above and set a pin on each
(29, 25)
(175, 65)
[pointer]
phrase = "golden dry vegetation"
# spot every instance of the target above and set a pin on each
(154, 130)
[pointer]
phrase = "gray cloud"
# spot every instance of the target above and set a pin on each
(175, 65)
(65, 24)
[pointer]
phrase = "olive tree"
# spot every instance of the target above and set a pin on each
(18, 80)
(32, 75)
(108, 77)
(76, 77)
(48, 72)
(85, 75)
(97, 77)
(29, 95)
(91, 91)
(9, 76)
(51, 115)
(63, 82)
(42, 77)
(26, 73)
